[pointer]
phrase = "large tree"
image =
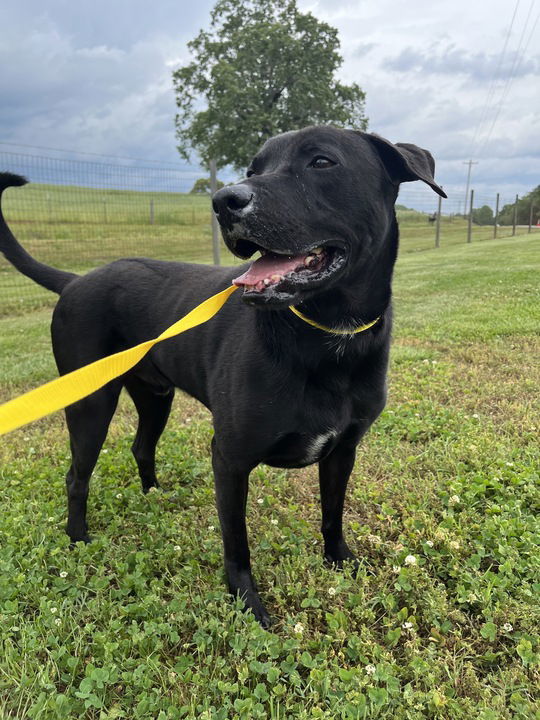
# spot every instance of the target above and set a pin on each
(262, 68)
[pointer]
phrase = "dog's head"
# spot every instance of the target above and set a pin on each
(317, 204)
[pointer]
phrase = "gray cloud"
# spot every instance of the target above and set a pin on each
(452, 60)
(97, 77)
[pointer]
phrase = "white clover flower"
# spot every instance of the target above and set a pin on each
(153, 489)
(104, 452)
(375, 539)
(274, 521)
(430, 543)
(211, 528)
(50, 519)
(54, 610)
(476, 416)
(396, 569)
(410, 560)
(299, 628)
(454, 500)
(407, 625)
(453, 544)
(507, 627)
(118, 496)
(331, 590)
(370, 669)
(57, 621)
(260, 500)
(63, 574)
(177, 548)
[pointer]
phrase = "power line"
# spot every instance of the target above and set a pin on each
(491, 91)
(515, 66)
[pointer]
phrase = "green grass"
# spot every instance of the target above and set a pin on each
(138, 624)
(77, 228)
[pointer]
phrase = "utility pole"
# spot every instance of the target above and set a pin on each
(470, 163)
(469, 223)
(496, 218)
(215, 231)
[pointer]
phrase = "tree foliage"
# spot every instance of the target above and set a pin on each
(483, 215)
(506, 215)
(262, 68)
(202, 186)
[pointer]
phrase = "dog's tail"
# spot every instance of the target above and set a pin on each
(48, 277)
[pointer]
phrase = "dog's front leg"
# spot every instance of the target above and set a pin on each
(231, 485)
(334, 473)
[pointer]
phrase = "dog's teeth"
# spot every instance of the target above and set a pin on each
(276, 278)
(310, 260)
(317, 251)
(266, 281)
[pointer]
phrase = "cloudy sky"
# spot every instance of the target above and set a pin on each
(96, 77)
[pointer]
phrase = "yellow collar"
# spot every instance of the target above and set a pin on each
(359, 329)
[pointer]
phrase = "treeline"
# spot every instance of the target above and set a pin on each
(484, 215)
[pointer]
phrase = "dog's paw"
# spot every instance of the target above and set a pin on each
(150, 487)
(259, 611)
(341, 563)
(86, 539)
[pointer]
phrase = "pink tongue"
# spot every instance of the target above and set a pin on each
(267, 266)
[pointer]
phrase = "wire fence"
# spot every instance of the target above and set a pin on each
(79, 214)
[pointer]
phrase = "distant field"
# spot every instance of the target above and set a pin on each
(80, 228)
(442, 620)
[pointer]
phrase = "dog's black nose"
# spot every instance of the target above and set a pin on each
(229, 201)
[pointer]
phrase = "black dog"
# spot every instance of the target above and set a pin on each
(318, 204)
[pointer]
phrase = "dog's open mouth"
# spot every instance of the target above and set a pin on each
(286, 274)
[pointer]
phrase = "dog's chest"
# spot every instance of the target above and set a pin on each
(298, 449)
(310, 423)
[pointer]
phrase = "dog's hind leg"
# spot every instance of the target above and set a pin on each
(88, 422)
(334, 473)
(153, 409)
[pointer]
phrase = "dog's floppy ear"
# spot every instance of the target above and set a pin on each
(405, 162)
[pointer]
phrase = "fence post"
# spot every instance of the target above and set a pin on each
(496, 219)
(469, 227)
(438, 226)
(215, 234)
(105, 220)
(531, 215)
(515, 217)
(152, 211)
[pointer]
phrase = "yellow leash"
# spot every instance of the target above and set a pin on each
(76, 385)
(80, 383)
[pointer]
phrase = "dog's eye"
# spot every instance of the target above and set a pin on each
(321, 162)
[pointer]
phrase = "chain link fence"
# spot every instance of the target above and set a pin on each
(78, 214)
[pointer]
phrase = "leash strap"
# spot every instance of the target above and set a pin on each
(73, 386)
(359, 329)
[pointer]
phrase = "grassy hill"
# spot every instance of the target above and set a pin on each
(137, 625)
